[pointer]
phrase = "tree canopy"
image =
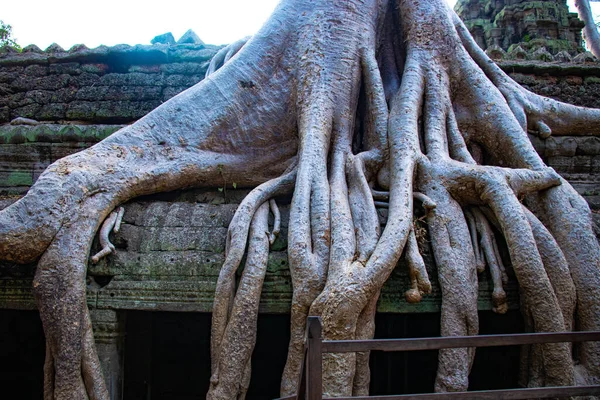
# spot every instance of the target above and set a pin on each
(6, 36)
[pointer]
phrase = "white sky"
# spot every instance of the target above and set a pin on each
(111, 22)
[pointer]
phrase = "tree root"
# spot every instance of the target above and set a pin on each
(237, 236)
(490, 251)
(230, 376)
(224, 55)
(112, 223)
(72, 368)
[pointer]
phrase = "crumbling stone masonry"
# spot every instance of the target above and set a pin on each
(531, 25)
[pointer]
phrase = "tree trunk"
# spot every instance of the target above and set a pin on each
(590, 31)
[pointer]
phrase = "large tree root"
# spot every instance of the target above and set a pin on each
(235, 316)
(367, 103)
(72, 368)
(232, 353)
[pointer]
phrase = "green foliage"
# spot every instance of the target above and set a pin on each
(223, 189)
(6, 38)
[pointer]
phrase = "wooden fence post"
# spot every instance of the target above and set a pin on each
(314, 360)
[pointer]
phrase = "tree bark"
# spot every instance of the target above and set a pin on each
(590, 31)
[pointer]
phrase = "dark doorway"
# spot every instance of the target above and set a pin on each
(167, 356)
(414, 372)
(22, 353)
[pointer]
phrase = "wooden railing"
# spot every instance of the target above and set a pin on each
(310, 385)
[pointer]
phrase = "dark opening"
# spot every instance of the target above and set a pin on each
(414, 372)
(22, 353)
(167, 355)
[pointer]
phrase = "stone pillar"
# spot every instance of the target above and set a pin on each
(109, 332)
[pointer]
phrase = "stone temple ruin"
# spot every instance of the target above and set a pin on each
(151, 300)
(543, 29)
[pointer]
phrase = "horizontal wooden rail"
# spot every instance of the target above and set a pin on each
(311, 386)
(508, 394)
(436, 343)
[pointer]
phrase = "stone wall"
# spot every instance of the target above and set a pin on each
(170, 250)
(116, 84)
(171, 246)
(532, 25)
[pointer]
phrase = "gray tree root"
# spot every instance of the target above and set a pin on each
(237, 237)
(590, 31)
(353, 105)
(234, 350)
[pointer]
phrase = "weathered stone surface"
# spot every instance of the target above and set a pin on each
(54, 48)
(109, 335)
(50, 85)
(165, 38)
(585, 57)
(32, 48)
(122, 83)
(169, 255)
(530, 24)
(190, 37)
(23, 121)
(25, 150)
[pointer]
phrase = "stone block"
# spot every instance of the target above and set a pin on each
(120, 93)
(65, 95)
(51, 82)
(8, 74)
(28, 111)
(81, 110)
(70, 68)
(183, 80)
(52, 112)
(123, 110)
(581, 164)
(4, 114)
(595, 167)
(36, 70)
(39, 96)
(169, 91)
(146, 69)
(131, 79)
(573, 80)
(187, 68)
(561, 164)
(560, 146)
(98, 69)
(86, 79)
(188, 55)
(588, 146)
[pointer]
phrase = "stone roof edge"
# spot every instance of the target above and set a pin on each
(156, 53)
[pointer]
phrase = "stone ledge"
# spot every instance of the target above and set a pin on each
(56, 133)
(169, 255)
(122, 53)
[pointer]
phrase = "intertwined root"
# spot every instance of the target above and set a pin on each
(112, 223)
(457, 134)
(72, 369)
(235, 312)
